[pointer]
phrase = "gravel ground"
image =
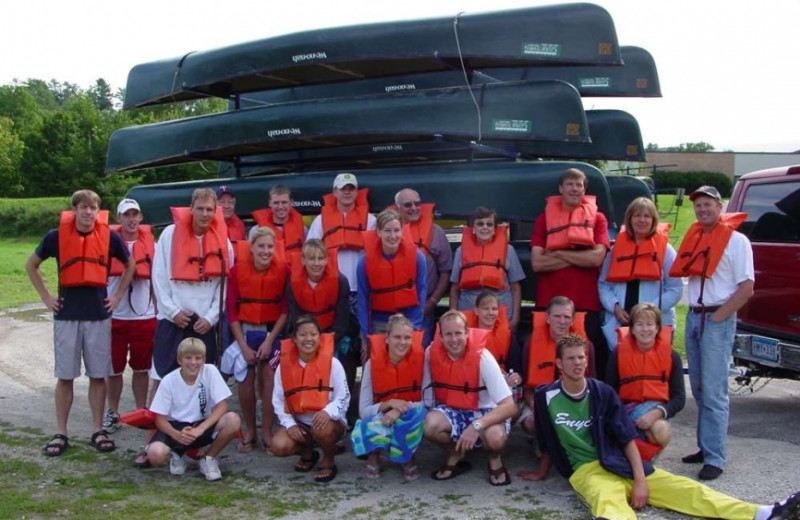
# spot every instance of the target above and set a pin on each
(763, 444)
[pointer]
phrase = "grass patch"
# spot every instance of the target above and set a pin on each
(17, 288)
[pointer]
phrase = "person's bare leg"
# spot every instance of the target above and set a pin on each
(139, 382)
(227, 430)
(63, 396)
(659, 433)
(327, 438)
(437, 429)
(267, 412)
(97, 399)
(494, 440)
(247, 400)
(114, 391)
(153, 390)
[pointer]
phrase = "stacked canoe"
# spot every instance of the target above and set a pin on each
(443, 105)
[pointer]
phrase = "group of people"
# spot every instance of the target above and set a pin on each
(291, 313)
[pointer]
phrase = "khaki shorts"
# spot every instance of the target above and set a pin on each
(90, 340)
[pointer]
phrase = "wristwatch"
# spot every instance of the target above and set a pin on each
(477, 426)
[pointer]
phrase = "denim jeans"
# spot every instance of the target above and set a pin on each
(709, 358)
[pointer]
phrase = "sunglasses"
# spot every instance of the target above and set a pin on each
(481, 223)
(412, 204)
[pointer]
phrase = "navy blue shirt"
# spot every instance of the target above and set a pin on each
(82, 303)
(612, 428)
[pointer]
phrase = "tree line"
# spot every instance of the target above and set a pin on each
(54, 139)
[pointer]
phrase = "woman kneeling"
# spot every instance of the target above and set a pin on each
(310, 398)
(390, 405)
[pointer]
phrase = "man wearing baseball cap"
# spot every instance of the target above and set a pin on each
(226, 198)
(718, 260)
(133, 322)
(345, 214)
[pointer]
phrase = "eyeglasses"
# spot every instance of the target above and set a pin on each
(481, 223)
(412, 204)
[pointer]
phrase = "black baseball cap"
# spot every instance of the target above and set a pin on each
(708, 191)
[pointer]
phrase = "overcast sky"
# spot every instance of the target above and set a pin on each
(729, 70)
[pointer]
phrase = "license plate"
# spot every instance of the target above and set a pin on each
(765, 348)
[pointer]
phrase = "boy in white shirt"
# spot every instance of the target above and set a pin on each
(192, 412)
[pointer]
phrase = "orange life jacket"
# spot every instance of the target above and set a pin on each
(320, 301)
(498, 340)
(392, 282)
(421, 230)
(292, 232)
(344, 230)
(306, 389)
(143, 251)
(401, 381)
(568, 229)
(187, 264)
(644, 376)
(483, 266)
(700, 252)
(241, 250)
(642, 261)
(260, 294)
(457, 383)
(542, 368)
(236, 230)
(83, 259)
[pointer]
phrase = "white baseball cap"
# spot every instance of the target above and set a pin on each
(343, 179)
(126, 204)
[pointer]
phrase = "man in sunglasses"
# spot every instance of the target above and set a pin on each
(431, 239)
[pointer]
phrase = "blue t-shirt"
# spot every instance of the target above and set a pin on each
(82, 303)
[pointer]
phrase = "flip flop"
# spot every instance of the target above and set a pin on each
(103, 445)
(245, 446)
(141, 461)
(306, 465)
(372, 471)
(332, 471)
(410, 472)
(462, 466)
(58, 448)
(495, 473)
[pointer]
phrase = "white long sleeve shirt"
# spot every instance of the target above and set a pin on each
(201, 298)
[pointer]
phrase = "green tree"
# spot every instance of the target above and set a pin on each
(702, 146)
(12, 181)
(101, 95)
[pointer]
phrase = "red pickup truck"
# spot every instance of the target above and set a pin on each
(768, 328)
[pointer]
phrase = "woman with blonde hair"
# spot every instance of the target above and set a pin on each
(636, 270)
(392, 276)
(390, 404)
(257, 311)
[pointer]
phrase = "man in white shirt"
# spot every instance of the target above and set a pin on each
(189, 306)
(133, 322)
(719, 264)
(472, 410)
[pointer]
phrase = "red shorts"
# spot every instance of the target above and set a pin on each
(135, 336)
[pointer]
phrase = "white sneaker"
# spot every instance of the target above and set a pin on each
(177, 464)
(210, 468)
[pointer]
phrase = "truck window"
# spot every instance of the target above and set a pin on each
(773, 212)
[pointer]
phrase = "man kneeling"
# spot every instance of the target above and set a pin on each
(191, 412)
(586, 431)
(474, 401)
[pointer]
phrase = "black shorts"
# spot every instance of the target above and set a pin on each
(205, 439)
(168, 337)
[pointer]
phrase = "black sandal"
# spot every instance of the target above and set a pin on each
(326, 473)
(306, 465)
(103, 445)
(58, 448)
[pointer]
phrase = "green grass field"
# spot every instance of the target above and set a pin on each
(17, 288)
